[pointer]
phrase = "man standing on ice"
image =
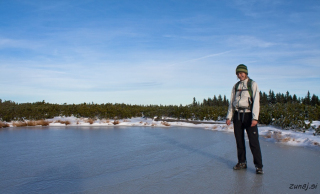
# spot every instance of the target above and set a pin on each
(244, 110)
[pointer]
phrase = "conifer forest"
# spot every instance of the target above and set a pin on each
(283, 110)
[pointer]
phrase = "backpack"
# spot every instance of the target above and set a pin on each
(249, 86)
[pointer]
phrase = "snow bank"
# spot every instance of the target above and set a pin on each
(274, 134)
(290, 137)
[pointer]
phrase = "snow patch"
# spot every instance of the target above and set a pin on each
(271, 133)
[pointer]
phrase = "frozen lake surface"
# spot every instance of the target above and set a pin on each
(146, 160)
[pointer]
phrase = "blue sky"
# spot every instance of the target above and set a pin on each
(155, 52)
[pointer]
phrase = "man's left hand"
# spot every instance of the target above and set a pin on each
(254, 123)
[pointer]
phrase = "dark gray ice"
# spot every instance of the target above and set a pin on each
(146, 160)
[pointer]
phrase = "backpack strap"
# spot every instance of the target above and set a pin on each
(236, 87)
(249, 86)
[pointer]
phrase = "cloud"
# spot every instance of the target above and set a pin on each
(248, 41)
(16, 43)
(203, 57)
(258, 8)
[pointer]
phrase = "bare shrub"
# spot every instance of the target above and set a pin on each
(268, 134)
(90, 120)
(277, 135)
(165, 123)
(105, 121)
(3, 125)
(42, 122)
(215, 127)
(39, 122)
(126, 120)
(116, 122)
(31, 123)
(286, 139)
(19, 124)
(64, 122)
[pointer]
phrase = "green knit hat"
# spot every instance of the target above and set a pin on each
(242, 68)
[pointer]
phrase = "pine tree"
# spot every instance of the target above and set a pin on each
(210, 102)
(288, 97)
(307, 99)
(294, 98)
(225, 101)
(204, 103)
(194, 103)
(271, 97)
(314, 100)
(220, 102)
(263, 98)
(214, 101)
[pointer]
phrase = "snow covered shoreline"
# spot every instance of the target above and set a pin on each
(274, 134)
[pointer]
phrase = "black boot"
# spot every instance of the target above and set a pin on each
(240, 166)
(259, 171)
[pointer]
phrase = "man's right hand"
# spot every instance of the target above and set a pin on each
(228, 121)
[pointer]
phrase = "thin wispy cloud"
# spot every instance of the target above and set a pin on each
(16, 43)
(200, 58)
(249, 41)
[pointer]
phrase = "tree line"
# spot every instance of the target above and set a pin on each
(12, 111)
(273, 98)
(284, 110)
(265, 99)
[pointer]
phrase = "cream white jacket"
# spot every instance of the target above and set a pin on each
(242, 99)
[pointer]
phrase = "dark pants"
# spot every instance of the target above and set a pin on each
(253, 137)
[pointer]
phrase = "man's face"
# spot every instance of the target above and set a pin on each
(242, 75)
